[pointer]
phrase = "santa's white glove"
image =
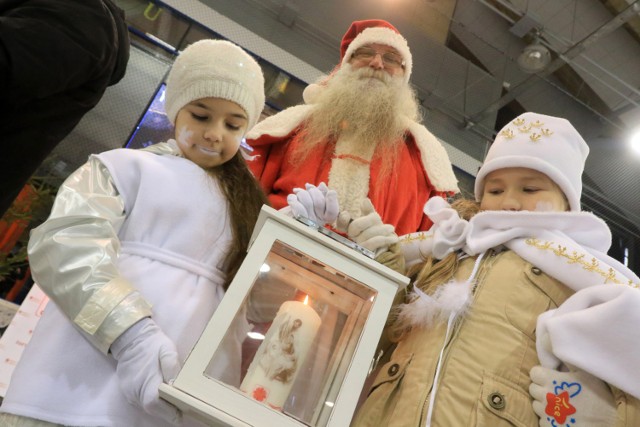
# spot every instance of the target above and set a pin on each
(368, 231)
(571, 399)
(319, 204)
(146, 357)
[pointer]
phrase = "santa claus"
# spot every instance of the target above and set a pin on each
(359, 132)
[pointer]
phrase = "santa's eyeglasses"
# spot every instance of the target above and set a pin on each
(390, 59)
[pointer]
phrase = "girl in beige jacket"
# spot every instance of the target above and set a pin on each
(517, 323)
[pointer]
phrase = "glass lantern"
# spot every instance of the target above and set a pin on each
(294, 338)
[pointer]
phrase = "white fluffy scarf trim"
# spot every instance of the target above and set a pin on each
(449, 301)
(428, 310)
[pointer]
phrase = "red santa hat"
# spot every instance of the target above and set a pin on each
(369, 31)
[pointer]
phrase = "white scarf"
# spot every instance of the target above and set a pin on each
(569, 246)
(596, 329)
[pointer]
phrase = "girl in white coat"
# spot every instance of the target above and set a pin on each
(138, 252)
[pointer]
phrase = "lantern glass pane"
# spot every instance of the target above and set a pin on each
(298, 329)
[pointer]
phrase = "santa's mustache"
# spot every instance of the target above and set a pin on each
(367, 72)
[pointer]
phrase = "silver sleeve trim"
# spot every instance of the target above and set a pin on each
(72, 256)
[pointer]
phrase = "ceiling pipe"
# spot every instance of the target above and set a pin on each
(614, 77)
(491, 5)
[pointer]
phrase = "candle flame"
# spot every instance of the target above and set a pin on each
(306, 300)
(255, 335)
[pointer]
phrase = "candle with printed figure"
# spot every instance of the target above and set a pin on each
(274, 368)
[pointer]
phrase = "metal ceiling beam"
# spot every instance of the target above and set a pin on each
(562, 59)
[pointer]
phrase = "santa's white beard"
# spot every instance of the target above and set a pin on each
(365, 112)
(368, 107)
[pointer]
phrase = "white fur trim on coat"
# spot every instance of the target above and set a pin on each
(435, 159)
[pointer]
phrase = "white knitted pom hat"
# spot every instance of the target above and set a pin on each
(550, 145)
(218, 69)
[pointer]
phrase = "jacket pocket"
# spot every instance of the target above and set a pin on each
(534, 294)
(503, 404)
(392, 371)
(384, 394)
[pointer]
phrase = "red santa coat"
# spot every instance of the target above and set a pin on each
(425, 169)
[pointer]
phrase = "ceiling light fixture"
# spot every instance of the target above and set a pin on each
(535, 57)
(635, 141)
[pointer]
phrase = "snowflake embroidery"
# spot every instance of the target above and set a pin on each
(593, 266)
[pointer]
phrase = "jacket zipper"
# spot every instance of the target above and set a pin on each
(458, 324)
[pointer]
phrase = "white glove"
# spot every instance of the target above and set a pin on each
(319, 204)
(146, 357)
(449, 230)
(571, 398)
(368, 231)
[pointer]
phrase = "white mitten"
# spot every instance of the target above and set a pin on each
(319, 204)
(146, 357)
(369, 231)
(571, 399)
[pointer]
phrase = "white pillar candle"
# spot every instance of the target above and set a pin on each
(274, 368)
